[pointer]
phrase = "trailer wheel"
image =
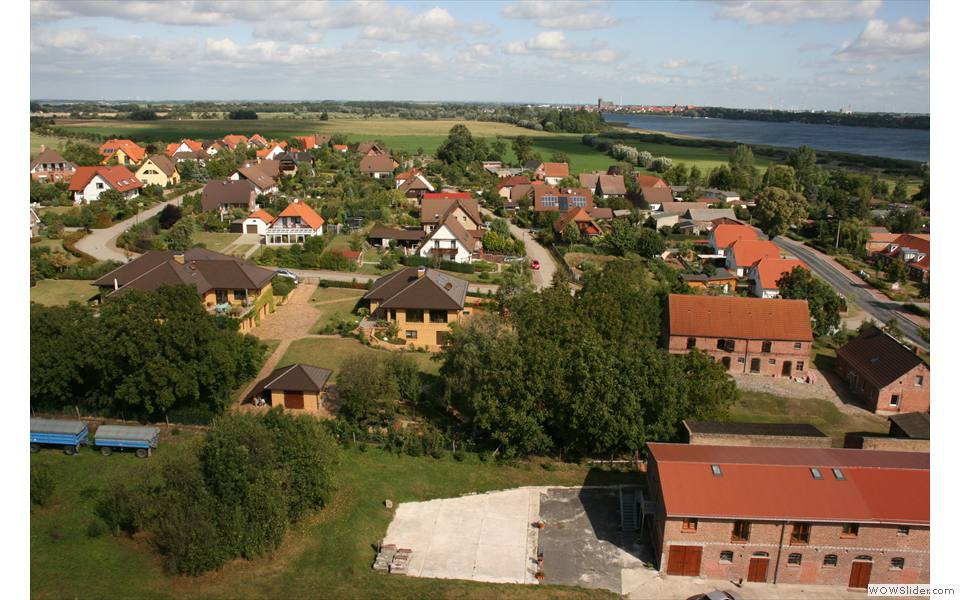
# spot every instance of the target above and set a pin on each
(69, 450)
(106, 450)
(34, 448)
(142, 453)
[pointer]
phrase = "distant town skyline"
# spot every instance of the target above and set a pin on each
(799, 55)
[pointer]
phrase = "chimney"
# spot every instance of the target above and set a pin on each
(178, 256)
(421, 271)
(42, 147)
(116, 284)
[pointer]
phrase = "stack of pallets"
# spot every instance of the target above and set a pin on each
(384, 557)
(401, 560)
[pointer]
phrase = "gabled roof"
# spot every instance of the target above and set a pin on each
(600, 212)
(915, 241)
(305, 212)
(262, 215)
(458, 231)
(405, 289)
(257, 176)
(49, 156)
(578, 215)
(876, 487)
(650, 181)
(391, 233)
(298, 377)
(163, 163)
(435, 207)
(270, 168)
(725, 235)
(915, 425)
(739, 318)
(512, 181)
(670, 206)
(378, 163)
(749, 252)
(662, 195)
(770, 270)
(367, 147)
(612, 185)
(878, 358)
(232, 140)
(130, 148)
(703, 215)
(416, 182)
(217, 193)
(556, 169)
(117, 177)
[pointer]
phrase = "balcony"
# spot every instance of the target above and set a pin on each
(290, 231)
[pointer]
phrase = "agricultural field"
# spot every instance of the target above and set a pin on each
(61, 292)
(328, 554)
(50, 141)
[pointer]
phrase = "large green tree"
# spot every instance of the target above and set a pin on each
(824, 303)
(777, 210)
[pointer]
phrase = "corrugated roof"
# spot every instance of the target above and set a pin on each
(878, 358)
(763, 483)
(739, 318)
(405, 289)
(126, 432)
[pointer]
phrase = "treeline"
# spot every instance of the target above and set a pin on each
(581, 375)
(549, 119)
(142, 355)
(870, 119)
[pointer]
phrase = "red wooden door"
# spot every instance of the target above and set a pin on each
(684, 560)
(293, 399)
(860, 574)
(758, 569)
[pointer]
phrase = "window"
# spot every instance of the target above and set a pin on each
(240, 295)
(850, 530)
(800, 533)
(414, 315)
(765, 348)
(99, 186)
(754, 365)
(438, 316)
(715, 469)
(741, 360)
(797, 345)
(838, 474)
(816, 473)
(689, 525)
(918, 380)
(794, 559)
(720, 344)
(830, 560)
(411, 334)
(741, 531)
(771, 361)
(799, 365)
(896, 564)
(729, 345)
(691, 343)
(726, 556)
(895, 400)
(903, 530)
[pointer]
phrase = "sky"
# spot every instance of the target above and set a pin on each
(870, 55)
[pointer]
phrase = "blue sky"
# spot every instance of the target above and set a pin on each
(868, 54)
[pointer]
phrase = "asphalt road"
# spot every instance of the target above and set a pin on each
(101, 243)
(543, 277)
(880, 310)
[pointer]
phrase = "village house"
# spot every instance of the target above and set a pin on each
(272, 152)
(121, 152)
(421, 302)
(158, 170)
(223, 195)
(551, 173)
(401, 238)
(451, 241)
(292, 161)
(880, 238)
(256, 222)
(765, 275)
(184, 150)
(413, 184)
(746, 335)
(699, 220)
(368, 148)
(723, 236)
(258, 141)
(88, 183)
(295, 387)
(378, 166)
(912, 249)
(211, 148)
(888, 376)
(436, 207)
(659, 196)
(263, 184)
(341, 148)
(827, 516)
(294, 225)
(223, 282)
(709, 194)
(721, 280)
(550, 198)
(50, 167)
(739, 433)
(742, 255)
(309, 142)
(650, 181)
(604, 185)
(232, 141)
(579, 216)
(507, 184)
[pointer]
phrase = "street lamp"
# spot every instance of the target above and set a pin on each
(838, 230)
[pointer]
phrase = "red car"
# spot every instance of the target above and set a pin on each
(535, 265)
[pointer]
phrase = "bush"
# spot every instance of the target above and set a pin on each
(96, 529)
(124, 510)
(42, 485)
(282, 286)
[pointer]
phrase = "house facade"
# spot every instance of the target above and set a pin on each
(450, 241)
(226, 194)
(378, 166)
(50, 166)
(257, 222)
(421, 302)
(158, 170)
(745, 335)
(765, 275)
(295, 223)
(912, 249)
(296, 387)
(885, 374)
(88, 183)
(823, 516)
(122, 152)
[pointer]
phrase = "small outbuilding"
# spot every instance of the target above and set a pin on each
(294, 387)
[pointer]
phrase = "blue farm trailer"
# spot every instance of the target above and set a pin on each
(142, 439)
(56, 432)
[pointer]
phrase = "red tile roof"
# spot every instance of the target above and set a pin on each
(305, 212)
(739, 318)
(581, 217)
(770, 270)
(915, 241)
(130, 148)
(650, 181)
(262, 215)
(724, 235)
(232, 140)
(117, 177)
(747, 253)
(777, 484)
(512, 181)
(447, 196)
(556, 169)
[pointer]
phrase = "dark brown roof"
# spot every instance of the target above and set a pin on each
(879, 358)
(742, 428)
(257, 175)
(49, 156)
(657, 195)
(436, 210)
(227, 192)
(163, 163)
(406, 289)
(739, 318)
(270, 168)
(390, 233)
(378, 163)
(915, 425)
(293, 378)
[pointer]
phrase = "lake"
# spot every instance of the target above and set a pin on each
(907, 144)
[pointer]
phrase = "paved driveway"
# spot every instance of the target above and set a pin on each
(102, 243)
(544, 277)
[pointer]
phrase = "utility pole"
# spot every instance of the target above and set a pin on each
(838, 233)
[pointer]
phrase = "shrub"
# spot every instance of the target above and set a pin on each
(42, 485)
(96, 529)
(124, 510)
(283, 286)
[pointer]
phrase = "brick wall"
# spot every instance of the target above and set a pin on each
(729, 439)
(744, 352)
(912, 397)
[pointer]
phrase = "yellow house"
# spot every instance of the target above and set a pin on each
(421, 302)
(121, 152)
(158, 170)
(295, 387)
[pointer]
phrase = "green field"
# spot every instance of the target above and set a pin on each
(61, 292)
(327, 556)
(50, 141)
(330, 353)
(767, 408)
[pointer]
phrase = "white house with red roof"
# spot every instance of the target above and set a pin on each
(89, 182)
(257, 222)
(294, 225)
(766, 273)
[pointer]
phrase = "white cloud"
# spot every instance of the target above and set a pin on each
(675, 63)
(783, 12)
(561, 15)
(291, 31)
(554, 45)
(903, 39)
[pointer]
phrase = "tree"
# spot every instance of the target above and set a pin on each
(896, 271)
(81, 154)
(677, 175)
(823, 302)
(649, 243)
(405, 373)
(498, 148)
(363, 386)
(180, 237)
(169, 216)
(560, 157)
(620, 239)
(461, 147)
(571, 233)
(517, 281)
(904, 221)
(777, 210)
(781, 176)
(523, 148)
(721, 178)
(804, 163)
(899, 191)
(661, 164)
(242, 114)
(743, 169)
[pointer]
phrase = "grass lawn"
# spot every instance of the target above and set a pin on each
(767, 408)
(328, 555)
(215, 241)
(50, 141)
(330, 353)
(337, 304)
(61, 292)
(333, 293)
(54, 245)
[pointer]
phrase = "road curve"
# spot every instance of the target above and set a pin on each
(102, 243)
(860, 293)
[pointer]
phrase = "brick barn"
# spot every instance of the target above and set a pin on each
(889, 377)
(746, 335)
(790, 515)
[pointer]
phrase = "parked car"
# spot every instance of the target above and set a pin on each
(512, 259)
(535, 264)
(288, 274)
